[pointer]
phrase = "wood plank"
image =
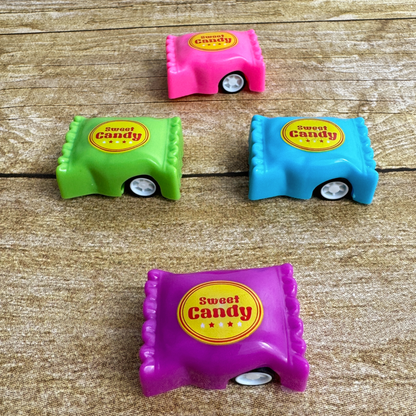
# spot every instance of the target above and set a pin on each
(72, 272)
(47, 16)
(351, 69)
(72, 290)
(136, 49)
(33, 141)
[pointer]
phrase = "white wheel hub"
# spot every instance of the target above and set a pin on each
(254, 378)
(143, 186)
(233, 83)
(334, 190)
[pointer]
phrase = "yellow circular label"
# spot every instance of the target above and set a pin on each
(313, 135)
(213, 41)
(119, 136)
(220, 312)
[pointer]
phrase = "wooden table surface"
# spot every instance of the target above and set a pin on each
(73, 271)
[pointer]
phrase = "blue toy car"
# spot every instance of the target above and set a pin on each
(298, 157)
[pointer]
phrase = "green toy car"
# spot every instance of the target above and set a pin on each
(109, 155)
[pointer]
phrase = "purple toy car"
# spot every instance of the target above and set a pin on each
(206, 328)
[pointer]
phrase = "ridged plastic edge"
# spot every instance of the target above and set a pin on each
(170, 53)
(255, 45)
(175, 134)
(147, 351)
(257, 146)
(368, 152)
(70, 137)
(295, 324)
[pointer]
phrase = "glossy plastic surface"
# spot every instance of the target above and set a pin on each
(278, 168)
(85, 168)
(192, 71)
(172, 358)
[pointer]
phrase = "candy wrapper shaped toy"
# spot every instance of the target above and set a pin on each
(206, 328)
(109, 155)
(203, 62)
(297, 157)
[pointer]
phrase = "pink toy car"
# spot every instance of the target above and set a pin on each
(200, 63)
(206, 328)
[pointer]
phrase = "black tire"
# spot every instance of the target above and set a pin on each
(233, 83)
(257, 377)
(334, 189)
(142, 187)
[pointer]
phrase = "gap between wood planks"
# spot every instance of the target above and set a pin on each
(187, 175)
(208, 24)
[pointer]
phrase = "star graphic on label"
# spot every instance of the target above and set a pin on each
(230, 324)
(321, 141)
(111, 141)
(308, 140)
(211, 325)
(124, 141)
(202, 325)
(221, 324)
(239, 324)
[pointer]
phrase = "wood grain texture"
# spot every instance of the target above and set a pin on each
(73, 276)
(92, 15)
(72, 272)
(346, 69)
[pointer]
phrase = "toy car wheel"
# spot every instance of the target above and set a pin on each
(256, 377)
(233, 83)
(334, 189)
(143, 186)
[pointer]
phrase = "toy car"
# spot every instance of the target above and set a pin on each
(206, 328)
(109, 155)
(297, 157)
(203, 62)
